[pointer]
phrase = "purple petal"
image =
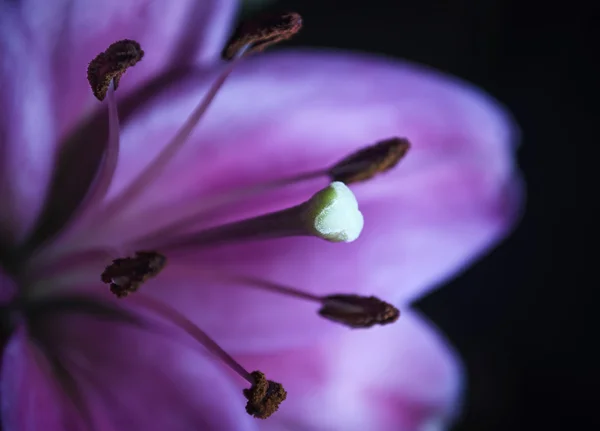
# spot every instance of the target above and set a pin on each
(66, 35)
(45, 50)
(27, 135)
(454, 196)
(288, 113)
(401, 377)
(284, 114)
(410, 243)
(26, 388)
(129, 380)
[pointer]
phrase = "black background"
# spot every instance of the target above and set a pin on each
(516, 317)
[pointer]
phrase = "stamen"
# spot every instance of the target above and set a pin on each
(351, 310)
(126, 275)
(104, 74)
(370, 161)
(111, 155)
(331, 214)
(256, 36)
(71, 262)
(108, 165)
(358, 311)
(263, 32)
(111, 64)
(155, 168)
(264, 396)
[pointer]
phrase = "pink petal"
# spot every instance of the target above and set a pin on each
(402, 377)
(130, 380)
(45, 50)
(454, 196)
(410, 243)
(67, 34)
(289, 113)
(27, 134)
(298, 112)
(26, 389)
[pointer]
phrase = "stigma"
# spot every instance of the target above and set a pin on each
(333, 214)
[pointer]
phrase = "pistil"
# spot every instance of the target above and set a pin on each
(331, 214)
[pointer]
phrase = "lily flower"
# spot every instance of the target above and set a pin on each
(188, 226)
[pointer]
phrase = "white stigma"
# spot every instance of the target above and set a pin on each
(333, 214)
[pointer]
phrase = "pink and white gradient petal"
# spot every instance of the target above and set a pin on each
(127, 379)
(456, 193)
(402, 377)
(71, 33)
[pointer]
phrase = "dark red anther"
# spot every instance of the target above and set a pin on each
(367, 162)
(111, 64)
(263, 32)
(358, 311)
(126, 275)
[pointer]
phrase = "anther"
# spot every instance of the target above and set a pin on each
(261, 33)
(126, 275)
(111, 64)
(364, 164)
(358, 311)
(264, 396)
